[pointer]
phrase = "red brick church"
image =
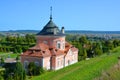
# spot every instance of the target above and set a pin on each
(51, 50)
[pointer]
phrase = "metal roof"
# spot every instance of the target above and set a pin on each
(51, 29)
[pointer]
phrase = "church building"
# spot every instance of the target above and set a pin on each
(51, 51)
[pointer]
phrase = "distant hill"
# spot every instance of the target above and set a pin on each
(92, 32)
(20, 31)
(67, 31)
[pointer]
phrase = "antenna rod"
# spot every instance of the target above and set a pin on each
(51, 12)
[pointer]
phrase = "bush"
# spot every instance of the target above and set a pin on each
(34, 69)
(14, 72)
(1, 74)
(2, 60)
(19, 72)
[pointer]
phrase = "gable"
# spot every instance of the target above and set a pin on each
(69, 53)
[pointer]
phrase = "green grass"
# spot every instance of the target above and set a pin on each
(83, 70)
(11, 55)
(111, 74)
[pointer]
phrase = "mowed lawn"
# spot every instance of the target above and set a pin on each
(83, 70)
(6, 55)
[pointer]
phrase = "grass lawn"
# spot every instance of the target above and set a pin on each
(11, 55)
(83, 70)
(112, 74)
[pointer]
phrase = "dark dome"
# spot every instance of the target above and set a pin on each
(50, 29)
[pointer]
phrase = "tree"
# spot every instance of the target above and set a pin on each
(83, 40)
(1, 74)
(19, 48)
(19, 40)
(2, 60)
(19, 72)
(82, 54)
(24, 48)
(34, 69)
(31, 68)
(1, 78)
(15, 50)
(116, 43)
(9, 77)
(108, 45)
(97, 51)
(9, 71)
(30, 38)
(17, 58)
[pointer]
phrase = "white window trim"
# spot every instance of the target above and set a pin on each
(58, 45)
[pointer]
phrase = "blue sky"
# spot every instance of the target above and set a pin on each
(100, 15)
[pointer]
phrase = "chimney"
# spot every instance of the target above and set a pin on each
(63, 30)
(55, 32)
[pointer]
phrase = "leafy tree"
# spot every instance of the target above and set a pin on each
(20, 50)
(17, 44)
(2, 60)
(10, 77)
(17, 58)
(19, 72)
(84, 54)
(97, 51)
(116, 43)
(9, 71)
(1, 74)
(19, 40)
(15, 50)
(108, 45)
(1, 77)
(83, 40)
(31, 68)
(14, 72)
(24, 48)
(30, 38)
(34, 69)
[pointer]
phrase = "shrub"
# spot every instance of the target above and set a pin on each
(34, 69)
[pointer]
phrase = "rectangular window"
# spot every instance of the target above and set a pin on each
(58, 45)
